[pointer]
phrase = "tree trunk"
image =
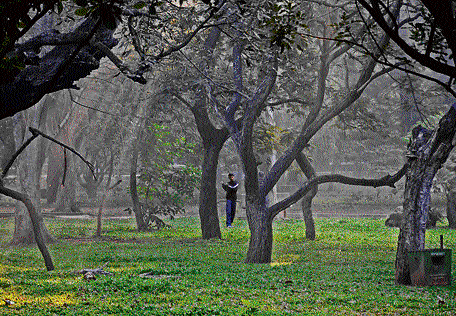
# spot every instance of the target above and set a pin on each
(427, 152)
(413, 226)
(36, 221)
(306, 202)
(7, 141)
(260, 225)
(139, 216)
(208, 212)
(451, 207)
(306, 205)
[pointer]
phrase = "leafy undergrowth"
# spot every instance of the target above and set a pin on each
(347, 270)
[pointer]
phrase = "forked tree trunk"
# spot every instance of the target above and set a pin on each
(208, 212)
(427, 153)
(260, 225)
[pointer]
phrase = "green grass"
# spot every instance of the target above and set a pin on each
(347, 270)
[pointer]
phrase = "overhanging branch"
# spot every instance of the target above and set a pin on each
(387, 180)
(36, 132)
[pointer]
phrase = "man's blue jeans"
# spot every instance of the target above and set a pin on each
(230, 211)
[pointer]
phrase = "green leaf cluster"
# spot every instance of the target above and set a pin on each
(168, 179)
(283, 20)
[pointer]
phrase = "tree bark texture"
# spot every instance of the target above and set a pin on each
(306, 206)
(451, 208)
(427, 152)
(7, 141)
(208, 211)
(260, 225)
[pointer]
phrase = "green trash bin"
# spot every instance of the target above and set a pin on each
(430, 267)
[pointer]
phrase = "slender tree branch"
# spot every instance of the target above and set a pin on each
(173, 49)
(136, 40)
(34, 131)
(445, 85)
(308, 131)
(387, 180)
(431, 40)
(429, 62)
(16, 154)
(283, 101)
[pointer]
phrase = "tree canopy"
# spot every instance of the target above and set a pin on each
(30, 72)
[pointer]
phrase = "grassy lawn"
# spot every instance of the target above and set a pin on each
(348, 270)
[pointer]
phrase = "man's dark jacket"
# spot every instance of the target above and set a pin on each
(231, 189)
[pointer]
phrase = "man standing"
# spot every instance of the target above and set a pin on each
(231, 188)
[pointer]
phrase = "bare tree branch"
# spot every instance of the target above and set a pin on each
(387, 180)
(34, 131)
(426, 61)
(119, 64)
(283, 101)
(136, 40)
(16, 154)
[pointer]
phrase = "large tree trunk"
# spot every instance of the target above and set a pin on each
(7, 141)
(208, 212)
(260, 225)
(427, 152)
(416, 209)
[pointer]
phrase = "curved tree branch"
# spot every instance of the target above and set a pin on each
(424, 60)
(387, 180)
(36, 132)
